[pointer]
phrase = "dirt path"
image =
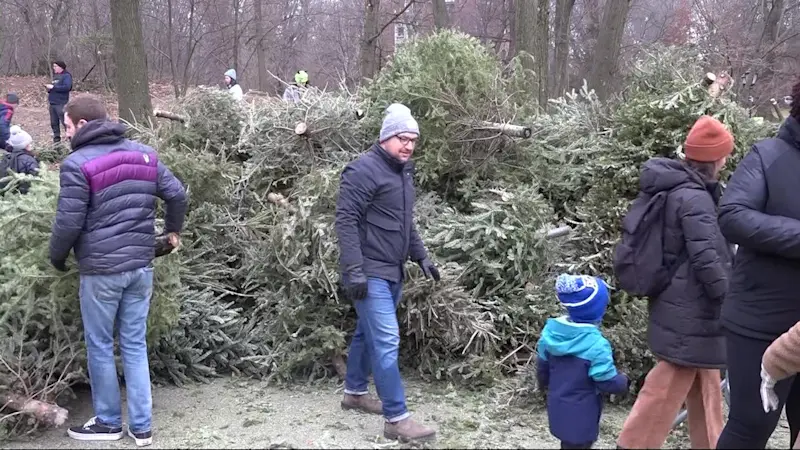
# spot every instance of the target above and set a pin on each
(233, 413)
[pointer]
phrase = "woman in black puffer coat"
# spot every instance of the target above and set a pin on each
(684, 330)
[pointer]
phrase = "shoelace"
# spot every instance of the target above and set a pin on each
(91, 422)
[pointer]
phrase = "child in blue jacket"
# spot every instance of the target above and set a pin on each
(575, 363)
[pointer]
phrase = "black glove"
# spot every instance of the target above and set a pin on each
(429, 269)
(61, 266)
(354, 284)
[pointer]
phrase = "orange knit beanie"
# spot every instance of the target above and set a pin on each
(708, 141)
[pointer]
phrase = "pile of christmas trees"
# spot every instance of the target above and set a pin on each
(253, 291)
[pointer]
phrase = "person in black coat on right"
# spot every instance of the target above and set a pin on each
(760, 211)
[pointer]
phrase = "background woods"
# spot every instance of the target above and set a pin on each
(189, 42)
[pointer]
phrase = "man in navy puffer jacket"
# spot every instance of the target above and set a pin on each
(58, 96)
(106, 212)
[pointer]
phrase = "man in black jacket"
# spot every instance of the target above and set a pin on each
(375, 226)
(58, 96)
(760, 212)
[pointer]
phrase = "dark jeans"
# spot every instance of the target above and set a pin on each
(56, 120)
(576, 446)
(748, 425)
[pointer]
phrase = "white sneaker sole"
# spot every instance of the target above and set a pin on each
(141, 442)
(96, 436)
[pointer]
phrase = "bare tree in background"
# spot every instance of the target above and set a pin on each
(773, 13)
(370, 62)
(532, 37)
(607, 51)
(133, 91)
(260, 50)
(441, 18)
(190, 42)
(560, 73)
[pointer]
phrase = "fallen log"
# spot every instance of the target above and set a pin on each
(169, 115)
(47, 413)
(507, 129)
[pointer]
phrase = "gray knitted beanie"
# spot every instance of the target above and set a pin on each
(398, 120)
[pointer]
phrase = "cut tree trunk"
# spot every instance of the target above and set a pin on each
(169, 115)
(47, 413)
(777, 110)
(556, 232)
(507, 129)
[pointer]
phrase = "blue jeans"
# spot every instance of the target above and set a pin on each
(120, 300)
(375, 347)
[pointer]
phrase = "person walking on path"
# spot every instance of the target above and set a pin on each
(684, 331)
(761, 214)
(106, 212)
(58, 96)
(575, 363)
(233, 85)
(377, 235)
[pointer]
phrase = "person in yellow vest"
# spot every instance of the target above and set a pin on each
(294, 91)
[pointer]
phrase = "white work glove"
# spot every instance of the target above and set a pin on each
(769, 400)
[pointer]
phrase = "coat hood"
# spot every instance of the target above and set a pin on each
(790, 132)
(98, 132)
(568, 338)
(663, 174)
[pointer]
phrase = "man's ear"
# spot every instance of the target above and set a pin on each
(81, 123)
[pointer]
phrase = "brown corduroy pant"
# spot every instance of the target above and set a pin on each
(665, 390)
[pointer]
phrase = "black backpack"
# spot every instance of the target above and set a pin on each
(639, 256)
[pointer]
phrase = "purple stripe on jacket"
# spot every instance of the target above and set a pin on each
(118, 166)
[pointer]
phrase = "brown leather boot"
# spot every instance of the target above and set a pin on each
(364, 403)
(407, 430)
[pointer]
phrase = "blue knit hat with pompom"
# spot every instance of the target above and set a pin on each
(585, 297)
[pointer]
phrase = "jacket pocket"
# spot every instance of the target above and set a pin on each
(384, 240)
